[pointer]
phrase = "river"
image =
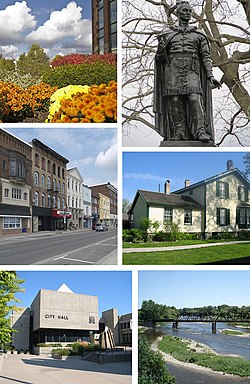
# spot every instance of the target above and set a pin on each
(221, 343)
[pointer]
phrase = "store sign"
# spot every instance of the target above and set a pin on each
(56, 317)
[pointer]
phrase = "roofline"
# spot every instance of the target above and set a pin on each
(212, 178)
(18, 138)
(40, 144)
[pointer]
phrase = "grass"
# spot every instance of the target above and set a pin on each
(177, 243)
(229, 332)
(180, 351)
(226, 254)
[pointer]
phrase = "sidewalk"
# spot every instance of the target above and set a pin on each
(180, 247)
(30, 369)
(40, 234)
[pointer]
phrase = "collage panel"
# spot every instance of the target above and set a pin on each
(66, 327)
(193, 326)
(58, 196)
(186, 208)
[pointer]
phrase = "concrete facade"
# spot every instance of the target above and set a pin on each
(75, 205)
(87, 206)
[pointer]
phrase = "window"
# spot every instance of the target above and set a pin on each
(242, 193)
(68, 201)
(243, 217)
(54, 169)
(36, 199)
(36, 178)
(63, 187)
(43, 200)
(91, 320)
(58, 202)
(6, 192)
(17, 169)
(76, 202)
(11, 222)
(72, 184)
(63, 174)
(63, 204)
(43, 163)
(43, 181)
(36, 160)
(49, 201)
(16, 193)
(25, 196)
(223, 216)
(188, 216)
(4, 165)
(58, 186)
(54, 184)
(222, 190)
(168, 215)
(49, 166)
(73, 202)
(49, 183)
(58, 171)
(54, 202)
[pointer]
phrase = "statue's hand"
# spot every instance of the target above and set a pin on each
(215, 83)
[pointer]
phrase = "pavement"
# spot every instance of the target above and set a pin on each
(30, 369)
(180, 247)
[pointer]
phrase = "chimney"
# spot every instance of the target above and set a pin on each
(187, 183)
(167, 187)
(230, 165)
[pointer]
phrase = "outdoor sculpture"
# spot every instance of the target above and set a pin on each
(183, 82)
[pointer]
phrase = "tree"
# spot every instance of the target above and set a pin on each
(246, 162)
(152, 367)
(9, 286)
(36, 62)
(126, 204)
(226, 23)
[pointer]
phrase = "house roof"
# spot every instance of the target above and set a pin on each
(234, 171)
(163, 199)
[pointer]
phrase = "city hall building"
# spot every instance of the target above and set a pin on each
(61, 316)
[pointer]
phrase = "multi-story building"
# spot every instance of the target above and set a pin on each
(87, 207)
(110, 191)
(104, 204)
(75, 205)
(49, 192)
(104, 26)
(15, 184)
(95, 199)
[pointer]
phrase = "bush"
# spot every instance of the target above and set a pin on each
(61, 352)
(23, 81)
(160, 236)
(76, 58)
(133, 235)
(82, 74)
(49, 345)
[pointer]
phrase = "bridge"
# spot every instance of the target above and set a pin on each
(198, 318)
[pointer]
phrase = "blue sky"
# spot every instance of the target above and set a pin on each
(195, 288)
(109, 286)
(93, 151)
(146, 170)
(60, 27)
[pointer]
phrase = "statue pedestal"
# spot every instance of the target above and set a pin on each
(190, 143)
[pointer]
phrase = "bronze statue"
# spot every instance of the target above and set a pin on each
(183, 82)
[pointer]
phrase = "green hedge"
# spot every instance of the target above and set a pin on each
(82, 74)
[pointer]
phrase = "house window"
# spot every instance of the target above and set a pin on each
(43, 181)
(63, 204)
(49, 201)
(243, 217)
(58, 202)
(188, 216)
(36, 178)
(49, 166)
(25, 196)
(63, 187)
(36, 160)
(6, 192)
(54, 202)
(168, 215)
(63, 173)
(58, 186)
(58, 171)
(43, 163)
(11, 222)
(54, 184)
(223, 216)
(222, 189)
(36, 199)
(49, 182)
(43, 200)
(68, 201)
(16, 193)
(54, 169)
(242, 193)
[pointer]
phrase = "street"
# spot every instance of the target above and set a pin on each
(85, 247)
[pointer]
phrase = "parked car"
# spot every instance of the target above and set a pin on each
(101, 227)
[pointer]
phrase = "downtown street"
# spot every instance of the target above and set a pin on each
(81, 247)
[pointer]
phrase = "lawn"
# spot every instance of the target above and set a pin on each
(223, 254)
(177, 243)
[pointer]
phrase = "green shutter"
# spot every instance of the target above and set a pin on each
(227, 190)
(228, 217)
(218, 216)
(217, 189)
(247, 196)
(237, 216)
(238, 192)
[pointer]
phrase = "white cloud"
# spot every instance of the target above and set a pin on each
(143, 176)
(14, 20)
(107, 160)
(65, 27)
(8, 51)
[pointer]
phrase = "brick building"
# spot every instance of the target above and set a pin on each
(104, 26)
(15, 184)
(49, 192)
(111, 192)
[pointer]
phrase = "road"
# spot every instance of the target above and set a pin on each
(60, 248)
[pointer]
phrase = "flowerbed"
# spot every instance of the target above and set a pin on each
(17, 103)
(76, 104)
(108, 58)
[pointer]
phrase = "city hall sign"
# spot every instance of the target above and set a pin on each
(58, 317)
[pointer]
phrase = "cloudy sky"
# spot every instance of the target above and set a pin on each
(93, 151)
(60, 27)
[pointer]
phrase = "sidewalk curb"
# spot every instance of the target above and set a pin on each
(109, 259)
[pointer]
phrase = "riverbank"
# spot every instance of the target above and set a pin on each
(201, 350)
(234, 333)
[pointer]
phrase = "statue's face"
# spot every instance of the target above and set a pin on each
(185, 12)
